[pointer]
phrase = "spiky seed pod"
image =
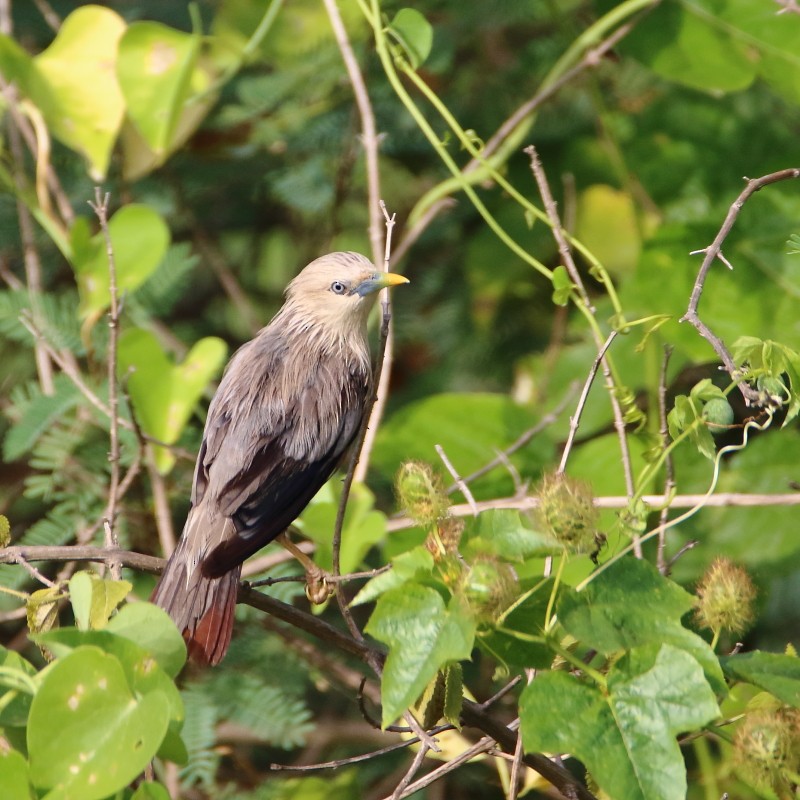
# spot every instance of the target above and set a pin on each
(567, 512)
(420, 492)
(725, 597)
(444, 539)
(490, 586)
(767, 749)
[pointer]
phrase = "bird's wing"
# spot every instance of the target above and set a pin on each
(262, 464)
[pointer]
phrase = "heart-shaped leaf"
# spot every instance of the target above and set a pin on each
(155, 66)
(88, 735)
(139, 239)
(74, 84)
(164, 394)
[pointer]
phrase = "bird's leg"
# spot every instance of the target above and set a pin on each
(318, 588)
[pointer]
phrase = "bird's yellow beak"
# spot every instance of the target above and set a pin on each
(380, 280)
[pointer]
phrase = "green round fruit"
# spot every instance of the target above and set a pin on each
(718, 414)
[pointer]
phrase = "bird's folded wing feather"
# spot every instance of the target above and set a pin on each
(266, 454)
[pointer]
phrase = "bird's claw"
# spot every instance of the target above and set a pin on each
(318, 587)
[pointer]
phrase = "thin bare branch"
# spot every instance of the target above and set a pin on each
(714, 252)
(460, 483)
(669, 481)
(559, 234)
(100, 208)
(410, 236)
(385, 356)
(361, 446)
(545, 422)
(369, 133)
(575, 419)
(410, 773)
(722, 500)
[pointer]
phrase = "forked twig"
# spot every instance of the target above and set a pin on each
(713, 252)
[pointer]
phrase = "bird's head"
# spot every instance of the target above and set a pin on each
(335, 292)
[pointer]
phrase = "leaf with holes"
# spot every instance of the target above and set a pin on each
(88, 735)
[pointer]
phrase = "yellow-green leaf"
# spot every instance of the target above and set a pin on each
(76, 86)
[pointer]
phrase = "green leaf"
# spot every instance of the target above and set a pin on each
(422, 635)
(94, 599)
(471, 427)
(512, 645)
(14, 775)
(408, 566)
(139, 239)
(626, 738)
(363, 527)
(562, 286)
(142, 671)
(414, 33)
(151, 628)
(16, 683)
(80, 596)
(502, 532)
(629, 605)
(88, 735)
(150, 791)
(776, 673)
(73, 83)
(155, 65)
(165, 394)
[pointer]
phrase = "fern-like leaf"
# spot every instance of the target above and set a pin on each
(37, 412)
(199, 736)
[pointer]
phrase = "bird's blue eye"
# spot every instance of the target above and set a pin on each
(337, 287)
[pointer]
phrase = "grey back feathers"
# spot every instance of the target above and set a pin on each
(287, 408)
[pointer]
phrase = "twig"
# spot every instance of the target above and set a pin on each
(344, 762)
(482, 746)
(163, 515)
(361, 445)
(713, 252)
(385, 355)
(513, 783)
(369, 133)
(724, 499)
(669, 482)
(226, 279)
(410, 773)
(49, 16)
(566, 254)
(498, 695)
(410, 236)
(460, 483)
(32, 571)
(100, 208)
(516, 763)
(127, 558)
(544, 422)
(33, 265)
(575, 419)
